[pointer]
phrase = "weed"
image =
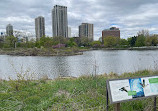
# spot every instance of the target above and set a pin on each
(83, 93)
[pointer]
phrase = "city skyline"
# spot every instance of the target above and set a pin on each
(130, 16)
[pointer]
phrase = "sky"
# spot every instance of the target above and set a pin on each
(130, 16)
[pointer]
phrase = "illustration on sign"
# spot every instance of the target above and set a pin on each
(126, 89)
(154, 85)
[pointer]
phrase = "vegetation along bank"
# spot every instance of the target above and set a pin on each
(65, 94)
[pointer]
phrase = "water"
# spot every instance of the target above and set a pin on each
(91, 62)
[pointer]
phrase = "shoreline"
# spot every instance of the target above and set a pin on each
(130, 48)
(110, 75)
(60, 52)
(41, 52)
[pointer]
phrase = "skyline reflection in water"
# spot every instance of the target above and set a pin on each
(101, 61)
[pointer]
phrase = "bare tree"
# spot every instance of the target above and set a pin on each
(144, 32)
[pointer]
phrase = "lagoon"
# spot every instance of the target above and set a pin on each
(91, 62)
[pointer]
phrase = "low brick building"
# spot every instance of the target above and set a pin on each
(113, 31)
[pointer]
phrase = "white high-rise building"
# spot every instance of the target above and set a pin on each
(69, 32)
(59, 21)
(39, 27)
(9, 30)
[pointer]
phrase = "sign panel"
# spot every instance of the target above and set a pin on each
(132, 88)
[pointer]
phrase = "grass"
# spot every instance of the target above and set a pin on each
(72, 94)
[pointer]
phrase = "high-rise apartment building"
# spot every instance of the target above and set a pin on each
(113, 31)
(69, 32)
(9, 30)
(59, 21)
(39, 27)
(86, 30)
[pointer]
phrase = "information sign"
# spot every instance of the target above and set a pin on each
(132, 88)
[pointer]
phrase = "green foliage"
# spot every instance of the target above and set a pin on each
(143, 39)
(32, 99)
(4, 95)
(71, 43)
(37, 44)
(151, 41)
(28, 44)
(96, 44)
(111, 41)
(1, 45)
(85, 42)
(140, 41)
(83, 93)
(132, 41)
(59, 40)
(123, 42)
(46, 42)
(11, 41)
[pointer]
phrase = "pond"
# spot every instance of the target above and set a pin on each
(91, 62)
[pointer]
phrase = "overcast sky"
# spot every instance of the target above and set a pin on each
(128, 15)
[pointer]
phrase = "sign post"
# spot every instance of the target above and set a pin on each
(117, 107)
(154, 103)
(107, 100)
(121, 90)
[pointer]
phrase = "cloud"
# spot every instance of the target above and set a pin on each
(129, 15)
(17, 19)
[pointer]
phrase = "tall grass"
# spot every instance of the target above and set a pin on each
(71, 94)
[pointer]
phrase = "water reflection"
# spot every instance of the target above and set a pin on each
(61, 66)
(90, 62)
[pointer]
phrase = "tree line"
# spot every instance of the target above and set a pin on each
(142, 39)
(46, 42)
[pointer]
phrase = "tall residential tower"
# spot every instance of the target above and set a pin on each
(9, 30)
(39, 27)
(86, 30)
(59, 21)
(69, 32)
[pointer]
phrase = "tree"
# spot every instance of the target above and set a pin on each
(59, 40)
(85, 42)
(1, 44)
(132, 41)
(152, 40)
(11, 41)
(96, 44)
(46, 42)
(111, 41)
(140, 41)
(123, 42)
(37, 44)
(30, 44)
(144, 32)
(71, 42)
